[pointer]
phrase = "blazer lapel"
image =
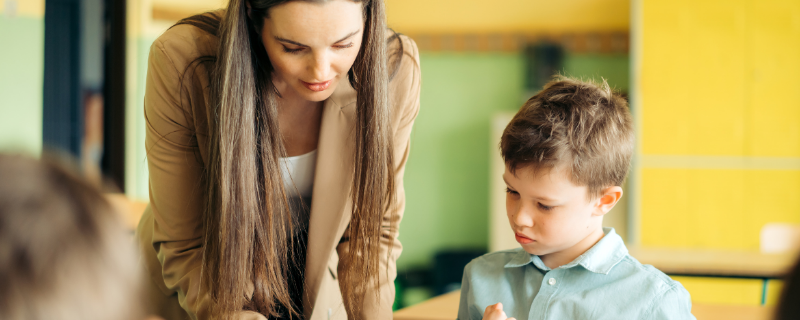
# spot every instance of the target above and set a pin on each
(332, 183)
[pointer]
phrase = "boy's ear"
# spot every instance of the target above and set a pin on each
(608, 199)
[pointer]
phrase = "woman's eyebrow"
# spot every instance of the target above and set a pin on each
(290, 41)
(303, 45)
(348, 36)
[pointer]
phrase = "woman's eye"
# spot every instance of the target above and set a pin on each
(344, 46)
(544, 207)
(288, 50)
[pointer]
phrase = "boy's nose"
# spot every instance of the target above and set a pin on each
(523, 217)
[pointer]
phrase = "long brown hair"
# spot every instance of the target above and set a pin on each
(247, 219)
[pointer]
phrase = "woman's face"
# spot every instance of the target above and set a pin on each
(312, 45)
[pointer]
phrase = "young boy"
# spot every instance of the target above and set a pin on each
(567, 152)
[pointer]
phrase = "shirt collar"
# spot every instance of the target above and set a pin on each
(600, 258)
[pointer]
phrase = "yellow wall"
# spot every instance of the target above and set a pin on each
(459, 16)
(26, 8)
(719, 117)
(413, 16)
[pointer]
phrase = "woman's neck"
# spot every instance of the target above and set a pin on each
(299, 121)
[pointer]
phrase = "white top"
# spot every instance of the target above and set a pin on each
(298, 172)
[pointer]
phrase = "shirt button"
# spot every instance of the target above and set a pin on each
(552, 281)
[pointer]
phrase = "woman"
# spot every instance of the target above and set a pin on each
(239, 105)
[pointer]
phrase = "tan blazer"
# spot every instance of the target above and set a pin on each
(171, 232)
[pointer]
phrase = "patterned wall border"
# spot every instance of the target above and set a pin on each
(608, 42)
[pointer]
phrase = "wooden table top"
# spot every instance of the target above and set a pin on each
(437, 308)
(131, 210)
(715, 262)
(445, 307)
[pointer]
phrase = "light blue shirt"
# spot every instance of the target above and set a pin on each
(603, 283)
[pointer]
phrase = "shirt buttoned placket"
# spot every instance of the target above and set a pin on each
(549, 286)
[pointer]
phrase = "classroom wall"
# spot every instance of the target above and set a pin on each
(447, 178)
(137, 175)
(420, 16)
(142, 32)
(718, 114)
(719, 118)
(21, 77)
(479, 16)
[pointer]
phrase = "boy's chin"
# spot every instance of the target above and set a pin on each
(536, 250)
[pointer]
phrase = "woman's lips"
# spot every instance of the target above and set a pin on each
(523, 239)
(317, 87)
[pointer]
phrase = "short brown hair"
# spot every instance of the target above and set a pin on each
(64, 253)
(582, 125)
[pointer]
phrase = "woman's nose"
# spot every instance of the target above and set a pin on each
(320, 67)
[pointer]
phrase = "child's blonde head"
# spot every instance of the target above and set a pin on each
(580, 125)
(63, 252)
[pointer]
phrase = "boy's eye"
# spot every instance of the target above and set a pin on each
(544, 207)
(508, 190)
(288, 50)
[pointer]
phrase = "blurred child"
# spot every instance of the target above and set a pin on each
(567, 152)
(63, 253)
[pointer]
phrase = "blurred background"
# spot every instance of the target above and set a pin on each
(714, 87)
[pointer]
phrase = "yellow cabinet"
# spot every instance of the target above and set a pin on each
(726, 291)
(715, 208)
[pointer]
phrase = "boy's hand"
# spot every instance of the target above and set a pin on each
(495, 312)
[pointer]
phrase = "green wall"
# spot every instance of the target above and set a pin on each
(21, 74)
(446, 181)
(137, 177)
(446, 178)
(614, 68)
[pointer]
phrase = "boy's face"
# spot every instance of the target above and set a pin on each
(548, 213)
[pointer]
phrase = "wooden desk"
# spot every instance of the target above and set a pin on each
(131, 210)
(438, 308)
(445, 307)
(715, 262)
(714, 312)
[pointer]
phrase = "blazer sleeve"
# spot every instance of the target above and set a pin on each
(177, 190)
(404, 96)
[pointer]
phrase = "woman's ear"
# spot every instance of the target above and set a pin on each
(608, 198)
